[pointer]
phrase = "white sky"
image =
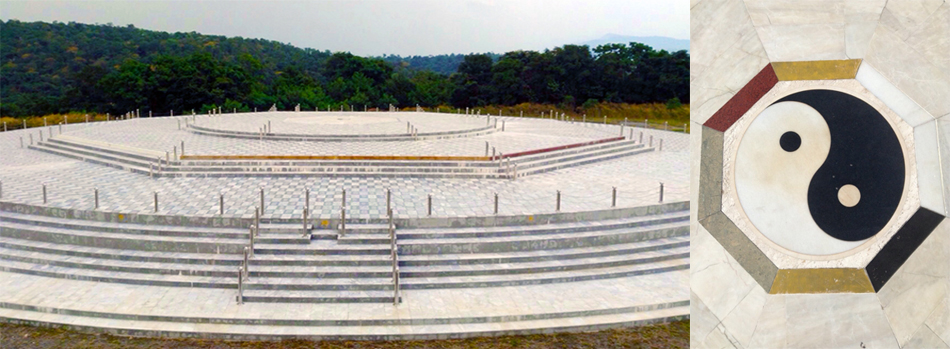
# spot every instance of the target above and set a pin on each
(404, 27)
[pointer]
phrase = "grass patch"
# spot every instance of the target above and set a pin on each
(668, 335)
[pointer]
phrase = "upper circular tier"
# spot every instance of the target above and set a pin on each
(354, 126)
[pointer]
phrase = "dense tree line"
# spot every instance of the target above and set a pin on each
(442, 64)
(55, 67)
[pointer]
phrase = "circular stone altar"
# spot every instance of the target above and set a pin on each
(500, 225)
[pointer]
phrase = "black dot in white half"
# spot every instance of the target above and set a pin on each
(819, 172)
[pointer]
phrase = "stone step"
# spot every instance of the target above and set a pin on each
(166, 268)
(320, 248)
(441, 271)
(347, 329)
(284, 228)
(580, 162)
(409, 261)
(572, 151)
(662, 266)
(93, 160)
(545, 242)
(366, 228)
(546, 229)
(573, 154)
(122, 240)
(86, 144)
(175, 280)
(117, 159)
(125, 228)
(363, 239)
(285, 296)
(233, 260)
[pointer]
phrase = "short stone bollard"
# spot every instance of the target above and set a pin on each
(156, 201)
(613, 201)
(44, 193)
(21, 142)
(1, 189)
(651, 140)
(661, 192)
(502, 126)
(388, 195)
(661, 145)
(221, 203)
(95, 194)
(31, 139)
(429, 204)
(262, 199)
(496, 203)
(558, 207)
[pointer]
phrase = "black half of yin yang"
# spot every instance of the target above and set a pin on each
(865, 152)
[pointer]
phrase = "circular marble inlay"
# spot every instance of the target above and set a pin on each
(849, 195)
(819, 172)
(790, 141)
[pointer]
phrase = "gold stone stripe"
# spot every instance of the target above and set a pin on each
(837, 280)
(816, 70)
(335, 157)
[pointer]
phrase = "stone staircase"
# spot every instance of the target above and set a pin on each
(294, 264)
(156, 164)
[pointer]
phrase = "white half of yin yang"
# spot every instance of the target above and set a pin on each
(772, 184)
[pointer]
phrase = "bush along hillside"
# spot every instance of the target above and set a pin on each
(57, 68)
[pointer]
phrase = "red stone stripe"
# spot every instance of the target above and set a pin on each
(742, 101)
(562, 147)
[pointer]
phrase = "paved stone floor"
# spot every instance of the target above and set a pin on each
(70, 183)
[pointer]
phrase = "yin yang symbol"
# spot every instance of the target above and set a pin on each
(819, 172)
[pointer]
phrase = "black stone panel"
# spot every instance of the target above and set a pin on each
(901, 246)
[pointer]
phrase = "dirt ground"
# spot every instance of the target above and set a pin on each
(669, 335)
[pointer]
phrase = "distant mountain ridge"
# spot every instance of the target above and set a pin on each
(657, 42)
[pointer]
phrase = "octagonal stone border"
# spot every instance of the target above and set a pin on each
(831, 280)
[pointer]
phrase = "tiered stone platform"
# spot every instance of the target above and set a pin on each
(556, 251)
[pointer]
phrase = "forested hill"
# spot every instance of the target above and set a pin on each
(57, 67)
(442, 64)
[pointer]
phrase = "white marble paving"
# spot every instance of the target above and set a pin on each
(928, 167)
(905, 107)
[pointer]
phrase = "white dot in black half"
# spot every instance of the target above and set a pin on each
(819, 172)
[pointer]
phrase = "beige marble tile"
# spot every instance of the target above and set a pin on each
(741, 321)
(932, 39)
(925, 338)
(803, 42)
(715, 276)
(701, 319)
(717, 340)
(909, 71)
(939, 321)
(770, 327)
(772, 12)
(837, 321)
(725, 54)
(857, 38)
(906, 16)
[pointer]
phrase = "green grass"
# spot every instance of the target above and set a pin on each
(668, 335)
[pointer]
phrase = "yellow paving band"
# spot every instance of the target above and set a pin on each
(816, 70)
(837, 280)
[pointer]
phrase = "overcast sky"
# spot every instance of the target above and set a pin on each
(419, 27)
